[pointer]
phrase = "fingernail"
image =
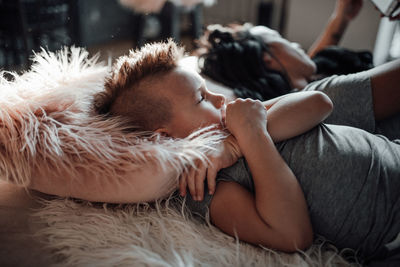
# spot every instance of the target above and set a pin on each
(210, 192)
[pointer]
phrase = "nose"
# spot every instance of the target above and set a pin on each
(218, 100)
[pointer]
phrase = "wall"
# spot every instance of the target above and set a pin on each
(102, 21)
(307, 18)
(229, 11)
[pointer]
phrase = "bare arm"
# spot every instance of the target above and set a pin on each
(344, 12)
(143, 185)
(277, 214)
(385, 84)
(296, 113)
(288, 116)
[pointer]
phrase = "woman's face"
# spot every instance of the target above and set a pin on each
(287, 57)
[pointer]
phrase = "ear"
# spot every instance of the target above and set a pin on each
(162, 131)
(267, 58)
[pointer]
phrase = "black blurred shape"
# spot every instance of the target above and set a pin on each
(27, 25)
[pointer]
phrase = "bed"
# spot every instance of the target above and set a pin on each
(39, 229)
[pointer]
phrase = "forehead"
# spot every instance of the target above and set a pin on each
(268, 35)
(181, 82)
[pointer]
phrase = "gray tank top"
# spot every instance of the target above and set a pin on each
(350, 179)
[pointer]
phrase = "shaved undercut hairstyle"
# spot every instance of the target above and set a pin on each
(126, 91)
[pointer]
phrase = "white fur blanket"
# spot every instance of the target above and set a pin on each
(49, 139)
(85, 234)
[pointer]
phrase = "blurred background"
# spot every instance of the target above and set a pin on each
(112, 27)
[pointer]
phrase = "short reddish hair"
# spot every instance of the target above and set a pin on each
(125, 92)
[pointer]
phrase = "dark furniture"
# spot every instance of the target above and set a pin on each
(28, 25)
(170, 19)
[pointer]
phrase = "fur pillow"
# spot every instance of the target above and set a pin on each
(51, 141)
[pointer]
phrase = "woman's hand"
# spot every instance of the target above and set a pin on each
(244, 116)
(226, 155)
(348, 9)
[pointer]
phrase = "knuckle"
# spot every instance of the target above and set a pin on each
(238, 101)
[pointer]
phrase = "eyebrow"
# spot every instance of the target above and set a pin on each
(194, 95)
(202, 84)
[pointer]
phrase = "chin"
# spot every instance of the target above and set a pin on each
(312, 67)
(299, 85)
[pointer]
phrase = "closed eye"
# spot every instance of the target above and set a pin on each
(202, 98)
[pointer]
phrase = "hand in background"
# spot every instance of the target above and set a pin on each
(227, 155)
(344, 12)
(397, 17)
(348, 9)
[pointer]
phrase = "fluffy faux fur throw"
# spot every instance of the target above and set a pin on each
(51, 141)
(86, 234)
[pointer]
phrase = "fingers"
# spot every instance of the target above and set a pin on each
(183, 183)
(191, 183)
(211, 179)
(243, 113)
(199, 182)
(194, 180)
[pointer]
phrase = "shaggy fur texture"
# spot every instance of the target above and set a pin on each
(85, 234)
(48, 135)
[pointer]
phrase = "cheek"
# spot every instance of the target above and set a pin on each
(299, 63)
(273, 64)
(205, 117)
(213, 114)
(312, 67)
(185, 125)
(197, 121)
(189, 125)
(216, 119)
(182, 125)
(283, 59)
(306, 66)
(303, 59)
(184, 129)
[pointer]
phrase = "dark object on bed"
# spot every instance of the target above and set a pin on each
(27, 25)
(338, 60)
